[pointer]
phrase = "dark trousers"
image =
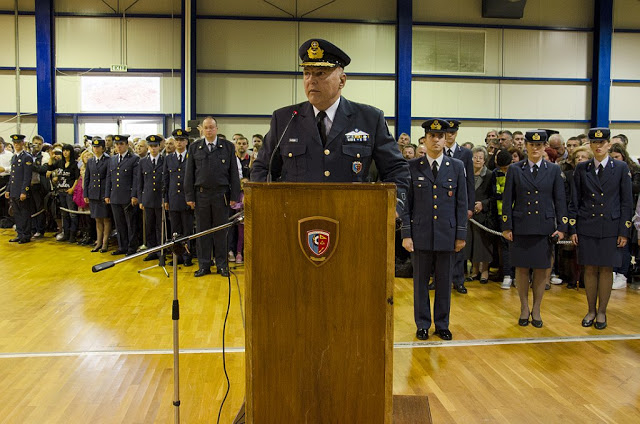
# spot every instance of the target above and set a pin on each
(69, 220)
(425, 264)
(212, 210)
(182, 224)
(124, 218)
(153, 226)
(22, 216)
(37, 196)
(4, 202)
(507, 269)
(457, 274)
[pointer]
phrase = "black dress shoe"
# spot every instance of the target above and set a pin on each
(444, 334)
(24, 240)
(422, 334)
(432, 286)
(187, 262)
(119, 252)
(523, 322)
(587, 322)
(600, 325)
(223, 271)
(201, 272)
(536, 322)
(484, 280)
(14, 240)
(461, 289)
(572, 286)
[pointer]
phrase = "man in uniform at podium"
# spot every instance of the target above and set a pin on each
(329, 138)
(437, 213)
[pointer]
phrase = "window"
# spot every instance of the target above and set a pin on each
(448, 51)
(120, 94)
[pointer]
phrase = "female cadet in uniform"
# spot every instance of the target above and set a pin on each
(94, 191)
(534, 211)
(601, 209)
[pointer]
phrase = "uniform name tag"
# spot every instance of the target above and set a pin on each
(293, 140)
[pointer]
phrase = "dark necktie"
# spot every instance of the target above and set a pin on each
(179, 158)
(153, 162)
(210, 146)
(434, 169)
(321, 128)
(119, 158)
(535, 171)
(600, 169)
(449, 153)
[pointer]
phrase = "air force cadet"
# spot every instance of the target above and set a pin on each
(150, 192)
(18, 189)
(534, 213)
(600, 222)
(435, 228)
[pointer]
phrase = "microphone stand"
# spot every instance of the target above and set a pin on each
(163, 237)
(178, 246)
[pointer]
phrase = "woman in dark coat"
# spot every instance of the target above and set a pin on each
(601, 209)
(479, 246)
(534, 212)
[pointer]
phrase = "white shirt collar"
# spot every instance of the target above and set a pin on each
(214, 142)
(153, 158)
(438, 159)
(604, 162)
(453, 148)
(331, 110)
(539, 163)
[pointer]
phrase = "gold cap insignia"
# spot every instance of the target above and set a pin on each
(451, 124)
(15, 137)
(96, 142)
(504, 218)
(536, 137)
(628, 224)
(152, 138)
(315, 52)
(179, 132)
(435, 125)
(598, 134)
(565, 219)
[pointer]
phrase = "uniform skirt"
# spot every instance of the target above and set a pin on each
(530, 251)
(99, 209)
(598, 251)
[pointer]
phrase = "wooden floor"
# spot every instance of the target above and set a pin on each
(79, 347)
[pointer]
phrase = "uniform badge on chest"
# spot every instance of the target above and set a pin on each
(356, 167)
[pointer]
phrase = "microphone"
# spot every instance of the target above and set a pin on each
(275, 149)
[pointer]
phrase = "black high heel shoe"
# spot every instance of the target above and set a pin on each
(96, 248)
(536, 322)
(523, 322)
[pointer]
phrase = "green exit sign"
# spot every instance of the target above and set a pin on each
(118, 68)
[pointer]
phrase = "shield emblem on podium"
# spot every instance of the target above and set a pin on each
(318, 238)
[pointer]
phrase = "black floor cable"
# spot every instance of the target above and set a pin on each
(224, 355)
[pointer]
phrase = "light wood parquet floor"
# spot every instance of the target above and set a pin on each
(79, 347)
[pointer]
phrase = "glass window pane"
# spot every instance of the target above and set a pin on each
(100, 128)
(120, 94)
(140, 127)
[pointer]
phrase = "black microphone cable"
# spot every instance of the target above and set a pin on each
(275, 149)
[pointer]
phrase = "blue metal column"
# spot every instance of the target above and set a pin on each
(601, 89)
(45, 70)
(404, 34)
(183, 78)
(188, 61)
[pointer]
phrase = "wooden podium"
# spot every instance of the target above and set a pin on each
(319, 302)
